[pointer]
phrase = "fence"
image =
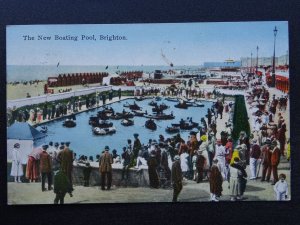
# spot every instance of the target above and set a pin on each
(53, 97)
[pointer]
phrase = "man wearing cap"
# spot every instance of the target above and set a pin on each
(16, 166)
(282, 137)
(126, 162)
(136, 145)
(254, 156)
(244, 139)
(46, 168)
(105, 168)
(266, 160)
(176, 178)
(65, 156)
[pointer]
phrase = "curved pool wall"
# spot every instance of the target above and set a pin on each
(84, 142)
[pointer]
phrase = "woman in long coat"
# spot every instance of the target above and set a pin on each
(237, 180)
(32, 168)
(152, 165)
(16, 167)
(215, 182)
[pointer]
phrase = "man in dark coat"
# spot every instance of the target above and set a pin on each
(126, 163)
(66, 161)
(46, 168)
(86, 174)
(136, 145)
(200, 162)
(61, 187)
(176, 178)
(119, 93)
(208, 116)
(103, 99)
(164, 161)
(152, 166)
(105, 168)
(215, 181)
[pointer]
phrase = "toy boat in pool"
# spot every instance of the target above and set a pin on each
(150, 124)
(172, 130)
(104, 131)
(127, 122)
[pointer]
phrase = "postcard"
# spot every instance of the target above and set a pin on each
(161, 112)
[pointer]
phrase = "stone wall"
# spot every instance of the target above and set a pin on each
(137, 178)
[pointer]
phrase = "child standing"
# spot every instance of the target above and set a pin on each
(281, 188)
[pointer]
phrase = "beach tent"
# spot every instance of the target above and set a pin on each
(106, 80)
(26, 135)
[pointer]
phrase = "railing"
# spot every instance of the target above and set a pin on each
(53, 97)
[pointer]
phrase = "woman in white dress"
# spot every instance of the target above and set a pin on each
(16, 167)
(184, 162)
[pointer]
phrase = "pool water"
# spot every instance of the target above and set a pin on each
(84, 142)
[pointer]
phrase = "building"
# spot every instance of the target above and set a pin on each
(265, 61)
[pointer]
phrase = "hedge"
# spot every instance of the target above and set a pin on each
(240, 118)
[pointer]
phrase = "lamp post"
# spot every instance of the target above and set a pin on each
(256, 59)
(273, 67)
(251, 64)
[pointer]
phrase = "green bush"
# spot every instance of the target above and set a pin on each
(240, 118)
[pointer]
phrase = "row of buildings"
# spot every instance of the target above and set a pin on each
(249, 62)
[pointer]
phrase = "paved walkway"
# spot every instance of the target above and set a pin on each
(30, 193)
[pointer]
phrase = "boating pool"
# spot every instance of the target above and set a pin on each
(84, 142)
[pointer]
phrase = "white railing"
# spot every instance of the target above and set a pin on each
(53, 97)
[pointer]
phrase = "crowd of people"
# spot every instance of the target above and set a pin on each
(47, 163)
(200, 158)
(56, 109)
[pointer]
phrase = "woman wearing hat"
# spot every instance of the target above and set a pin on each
(16, 167)
(152, 165)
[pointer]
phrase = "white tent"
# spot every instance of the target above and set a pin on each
(106, 80)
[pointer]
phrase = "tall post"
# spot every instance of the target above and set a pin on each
(251, 64)
(256, 60)
(273, 67)
(286, 59)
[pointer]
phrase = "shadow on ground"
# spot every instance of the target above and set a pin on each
(250, 188)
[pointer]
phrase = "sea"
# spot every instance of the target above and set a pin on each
(42, 72)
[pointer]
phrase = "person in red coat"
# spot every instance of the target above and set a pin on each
(266, 161)
(46, 168)
(275, 158)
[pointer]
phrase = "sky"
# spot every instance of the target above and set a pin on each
(180, 43)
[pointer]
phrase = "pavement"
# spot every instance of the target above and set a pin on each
(31, 193)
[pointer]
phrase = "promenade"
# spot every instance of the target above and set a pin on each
(30, 193)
